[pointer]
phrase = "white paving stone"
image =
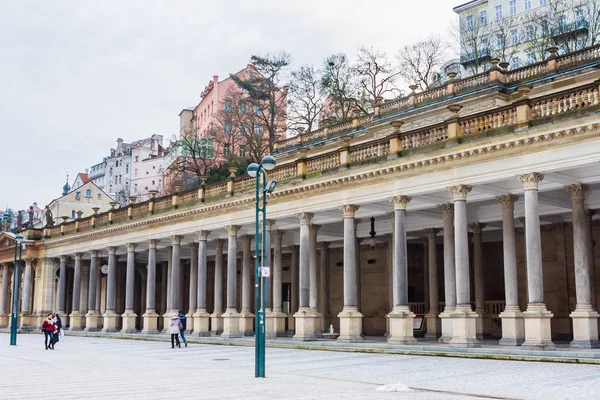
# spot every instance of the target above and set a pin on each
(99, 368)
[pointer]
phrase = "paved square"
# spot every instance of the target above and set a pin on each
(99, 368)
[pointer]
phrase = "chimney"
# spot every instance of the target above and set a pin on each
(216, 78)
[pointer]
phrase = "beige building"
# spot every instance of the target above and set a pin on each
(85, 199)
(471, 205)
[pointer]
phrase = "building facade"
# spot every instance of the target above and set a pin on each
(471, 205)
(80, 201)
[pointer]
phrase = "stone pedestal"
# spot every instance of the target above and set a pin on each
(513, 327)
(26, 322)
(128, 322)
(247, 323)
(291, 323)
(231, 325)
(92, 318)
(166, 323)
(280, 323)
(216, 323)
(305, 326)
(538, 335)
(483, 324)
(401, 327)
(4, 319)
(585, 328)
(201, 323)
(319, 324)
(446, 321)
(76, 321)
(350, 325)
(270, 328)
(189, 323)
(111, 319)
(464, 327)
(433, 324)
(150, 322)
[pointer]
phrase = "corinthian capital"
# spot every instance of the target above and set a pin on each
(531, 181)
(203, 235)
(131, 246)
(305, 217)
(447, 209)
(232, 229)
(477, 228)
(176, 239)
(507, 200)
(460, 192)
(348, 210)
(400, 202)
(577, 190)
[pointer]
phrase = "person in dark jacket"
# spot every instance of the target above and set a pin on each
(49, 329)
(58, 323)
(182, 327)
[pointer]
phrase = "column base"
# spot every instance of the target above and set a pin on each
(247, 323)
(305, 326)
(350, 325)
(129, 322)
(538, 334)
(189, 322)
(76, 321)
(585, 328)
(291, 323)
(513, 327)
(482, 324)
(4, 319)
(26, 322)
(216, 323)
(91, 321)
(231, 325)
(166, 322)
(38, 320)
(150, 319)
(319, 323)
(110, 320)
(280, 318)
(433, 325)
(446, 322)
(270, 327)
(401, 326)
(464, 327)
(201, 323)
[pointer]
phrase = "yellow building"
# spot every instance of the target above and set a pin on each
(85, 199)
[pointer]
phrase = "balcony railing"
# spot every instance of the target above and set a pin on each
(484, 54)
(568, 29)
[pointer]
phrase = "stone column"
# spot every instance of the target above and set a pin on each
(295, 287)
(324, 285)
(75, 318)
(175, 273)
(129, 315)
(201, 316)
(449, 273)
(313, 278)
(589, 237)
(483, 322)
(231, 317)
(400, 318)
(278, 282)
(110, 316)
(168, 311)
(216, 318)
(193, 297)
(585, 319)
(433, 322)
(27, 289)
(305, 317)
(538, 335)
(150, 317)
(464, 320)
(246, 315)
(513, 328)
(92, 317)
(350, 317)
(62, 286)
(4, 314)
(270, 328)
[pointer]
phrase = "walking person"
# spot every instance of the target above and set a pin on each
(174, 328)
(49, 328)
(182, 327)
(58, 324)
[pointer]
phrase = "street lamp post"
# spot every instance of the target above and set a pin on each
(16, 289)
(261, 270)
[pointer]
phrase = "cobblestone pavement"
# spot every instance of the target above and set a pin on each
(100, 368)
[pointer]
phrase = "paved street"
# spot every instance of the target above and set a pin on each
(99, 368)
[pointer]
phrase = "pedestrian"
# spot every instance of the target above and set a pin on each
(174, 329)
(58, 323)
(49, 327)
(182, 327)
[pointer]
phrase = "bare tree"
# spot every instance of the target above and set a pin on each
(192, 156)
(338, 86)
(474, 37)
(264, 95)
(376, 74)
(420, 61)
(507, 39)
(305, 99)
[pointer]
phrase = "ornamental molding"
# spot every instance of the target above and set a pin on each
(526, 142)
(531, 181)
(460, 192)
(400, 202)
(447, 209)
(508, 201)
(232, 229)
(578, 190)
(348, 210)
(305, 217)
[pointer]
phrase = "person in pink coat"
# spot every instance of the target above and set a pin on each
(174, 327)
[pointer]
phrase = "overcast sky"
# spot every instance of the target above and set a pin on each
(76, 75)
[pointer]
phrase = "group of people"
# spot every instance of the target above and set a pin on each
(52, 328)
(177, 327)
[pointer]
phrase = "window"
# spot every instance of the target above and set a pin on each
(227, 127)
(563, 20)
(514, 37)
(527, 5)
(257, 130)
(257, 110)
(135, 188)
(110, 171)
(544, 27)
(242, 151)
(483, 18)
(530, 58)
(512, 5)
(498, 12)
(469, 22)
(88, 193)
(500, 41)
(78, 195)
(228, 105)
(243, 128)
(226, 151)
(110, 188)
(137, 158)
(153, 183)
(99, 196)
(579, 16)
(529, 32)
(543, 2)
(579, 44)
(126, 168)
(516, 63)
(243, 107)
(73, 214)
(135, 172)
(485, 46)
